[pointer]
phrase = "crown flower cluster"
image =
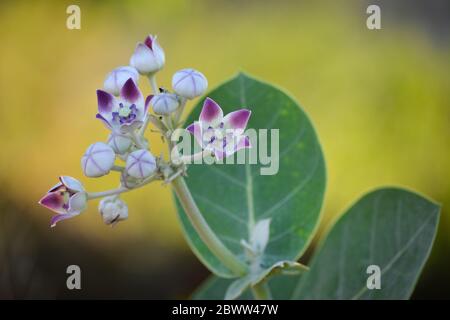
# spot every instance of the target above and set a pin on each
(126, 113)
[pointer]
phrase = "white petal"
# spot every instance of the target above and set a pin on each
(77, 203)
(71, 183)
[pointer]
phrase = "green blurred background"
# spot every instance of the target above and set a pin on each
(379, 101)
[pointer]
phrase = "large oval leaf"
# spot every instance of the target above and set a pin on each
(233, 198)
(391, 228)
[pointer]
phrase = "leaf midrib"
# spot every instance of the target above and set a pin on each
(248, 172)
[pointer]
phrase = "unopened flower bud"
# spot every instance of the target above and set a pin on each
(148, 57)
(120, 143)
(165, 103)
(140, 164)
(116, 79)
(189, 83)
(98, 160)
(113, 209)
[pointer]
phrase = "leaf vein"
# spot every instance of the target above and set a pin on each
(220, 208)
(302, 184)
(397, 256)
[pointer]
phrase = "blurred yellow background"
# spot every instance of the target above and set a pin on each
(379, 101)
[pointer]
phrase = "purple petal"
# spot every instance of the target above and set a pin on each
(59, 217)
(105, 101)
(105, 122)
(141, 53)
(53, 201)
(233, 145)
(196, 130)
(147, 102)
(130, 92)
(149, 42)
(219, 154)
(237, 119)
(211, 113)
(244, 142)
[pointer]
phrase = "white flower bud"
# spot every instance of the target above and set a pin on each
(148, 57)
(189, 83)
(140, 164)
(120, 143)
(113, 209)
(165, 103)
(98, 160)
(116, 79)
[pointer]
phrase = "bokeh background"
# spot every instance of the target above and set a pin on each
(379, 101)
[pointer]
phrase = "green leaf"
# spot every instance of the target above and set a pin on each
(391, 228)
(214, 288)
(233, 198)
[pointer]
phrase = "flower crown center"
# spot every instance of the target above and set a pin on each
(126, 113)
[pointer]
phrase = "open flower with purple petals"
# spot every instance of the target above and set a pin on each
(222, 135)
(67, 198)
(124, 113)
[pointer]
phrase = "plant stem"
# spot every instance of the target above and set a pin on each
(137, 139)
(152, 80)
(179, 112)
(261, 291)
(117, 168)
(101, 194)
(144, 125)
(95, 195)
(155, 90)
(189, 159)
(204, 231)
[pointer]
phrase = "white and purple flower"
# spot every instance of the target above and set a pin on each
(67, 198)
(222, 135)
(125, 113)
(148, 57)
